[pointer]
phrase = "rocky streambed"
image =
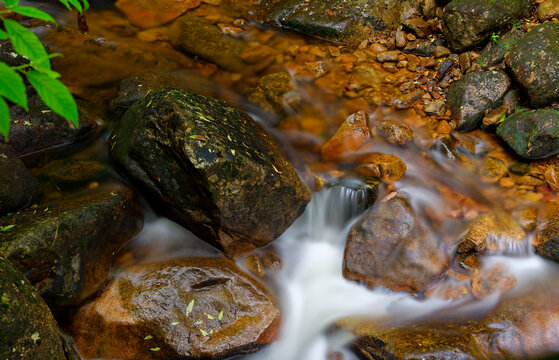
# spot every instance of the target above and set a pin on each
(287, 180)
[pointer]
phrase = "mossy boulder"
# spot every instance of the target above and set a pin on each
(495, 51)
(197, 36)
(471, 96)
(17, 185)
(209, 167)
(390, 246)
(42, 129)
(534, 62)
(532, 134)
(27, 328)
(467, 23)
(65, 248)
(341, 20)
(197, 308)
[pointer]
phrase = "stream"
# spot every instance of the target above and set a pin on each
(499, 300)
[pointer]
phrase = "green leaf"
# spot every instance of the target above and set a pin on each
(3, 35)
(12, 86)
(190, 307)
(4, 118)
(33, 13)
(77, 5)
(149, 337)
(155, 349)
(55, 95)
(220, 316)
(65, 3)
(6, 228)
(27, 44)
(85, 5)
(10, 3)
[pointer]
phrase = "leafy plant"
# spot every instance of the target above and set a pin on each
(37, 70)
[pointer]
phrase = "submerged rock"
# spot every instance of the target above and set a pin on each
(534, 62)
(209, 167)
(42, 129)
(548, 10)
(18, 185)
(532, 134)
(148, 14)
(467, 23)
(197, 308)
(197, 36)
(471, 96)
(342, 20)
(73, 173)
(390, 246)
(272, 92)
(66, 248)
(27, 328)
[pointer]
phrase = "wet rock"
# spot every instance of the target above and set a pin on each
(435, 107)
(467, 23)
(209, 167)
(66, 248)
(148, 14)
(27, 328)
(471, 96)
(389, 168)
(273, 92)
(395, 132)
(495, 51)
(492, 169)
(534, 62)
(546, 242)
(390, 246)
(496, 230)
(72, 173)
(495, 116)
(180, 309)
(42, 129)
(19, 187)
(9, 56)
(441, 51)
(406, 101)
(348, 138)
(548, 9)
(340, 20)
(532, 134)
(197, 36)
(420, 48)
(488, 281)
(388, 56)
(416, 24)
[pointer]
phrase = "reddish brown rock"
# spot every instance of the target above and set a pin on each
(349, 137)
(188, 309)
(390, 246)
(395, 132)
(148, 14)
(546, 243)
(389, 168)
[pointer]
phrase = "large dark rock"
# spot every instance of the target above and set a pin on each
(471, 96)
(534, 61)
(42, 129)
(495, 51)
(197, 36)
(27, 328)
(467, 23)
(532, 134)
(65, 248)
(546, 242)
(390, 246)
(17, 185)
(209, 167)
(340, 20)
(197, 308)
